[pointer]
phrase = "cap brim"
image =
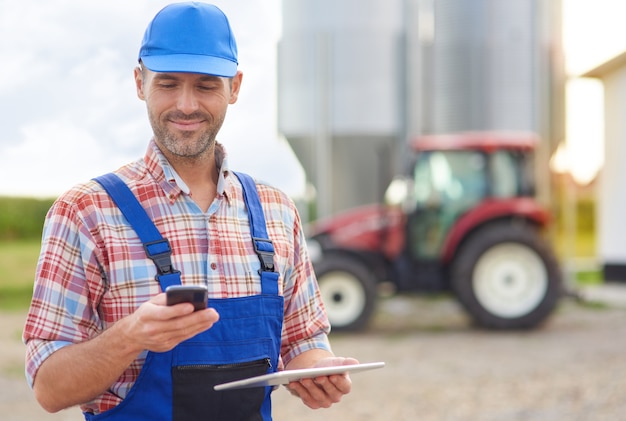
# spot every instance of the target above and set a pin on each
(185, 63)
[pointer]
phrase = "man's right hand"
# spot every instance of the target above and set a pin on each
(156, 327)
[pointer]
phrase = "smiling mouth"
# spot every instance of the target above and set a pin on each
(186, 125)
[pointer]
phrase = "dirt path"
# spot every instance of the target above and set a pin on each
(438, 368)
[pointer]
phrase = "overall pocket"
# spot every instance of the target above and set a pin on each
(195, 399)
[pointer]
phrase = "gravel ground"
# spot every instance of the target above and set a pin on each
(438, 367)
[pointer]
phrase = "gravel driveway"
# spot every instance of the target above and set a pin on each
(438, 367)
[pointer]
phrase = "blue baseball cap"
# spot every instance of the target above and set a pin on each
(190, 37)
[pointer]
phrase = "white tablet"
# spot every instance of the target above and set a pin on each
(287, 376)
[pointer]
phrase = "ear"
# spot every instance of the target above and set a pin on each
(139, 82)
(235, 86)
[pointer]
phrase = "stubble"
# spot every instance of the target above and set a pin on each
(185, 145)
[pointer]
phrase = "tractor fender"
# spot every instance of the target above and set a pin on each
(490, 210)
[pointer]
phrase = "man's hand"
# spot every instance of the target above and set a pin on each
(159, 328)
(323, 391)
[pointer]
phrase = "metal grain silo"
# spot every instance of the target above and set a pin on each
(339, 62)
(357, 78)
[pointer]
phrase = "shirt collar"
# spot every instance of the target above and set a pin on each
(224, 180)
(173, 185)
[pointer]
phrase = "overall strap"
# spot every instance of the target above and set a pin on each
(263, 246)
(157, 248)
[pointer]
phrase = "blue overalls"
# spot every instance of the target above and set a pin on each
(178, 384)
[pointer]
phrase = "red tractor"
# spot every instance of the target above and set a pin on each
(464, 220)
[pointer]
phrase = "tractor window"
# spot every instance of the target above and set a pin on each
(511, 174)
(504, 176)
(527, 175)
(451, 178)
(446, 184)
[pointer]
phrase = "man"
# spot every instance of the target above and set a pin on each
(98, 332)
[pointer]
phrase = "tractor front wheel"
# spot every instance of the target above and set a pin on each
(348, 289)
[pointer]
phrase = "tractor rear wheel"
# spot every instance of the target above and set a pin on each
(348, 289)
(506, 277)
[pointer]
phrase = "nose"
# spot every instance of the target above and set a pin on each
(187, 101)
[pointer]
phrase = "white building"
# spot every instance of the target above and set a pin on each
(611, 201)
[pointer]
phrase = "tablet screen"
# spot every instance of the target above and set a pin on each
(287, 376)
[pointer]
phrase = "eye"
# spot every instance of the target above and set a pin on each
(207, 88)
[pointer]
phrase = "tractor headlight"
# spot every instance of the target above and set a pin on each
(315, 250)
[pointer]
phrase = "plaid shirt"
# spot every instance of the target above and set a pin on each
(93, 270)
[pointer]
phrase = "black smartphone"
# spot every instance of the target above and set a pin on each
(196, 295)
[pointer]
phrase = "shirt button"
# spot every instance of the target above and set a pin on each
(213, 266)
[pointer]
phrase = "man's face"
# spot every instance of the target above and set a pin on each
(186, 110)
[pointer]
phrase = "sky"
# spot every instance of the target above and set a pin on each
(69, 111)
(69, 106)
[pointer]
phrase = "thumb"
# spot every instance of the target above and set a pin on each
(158, 299)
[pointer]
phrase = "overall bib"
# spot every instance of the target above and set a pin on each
(178, 384)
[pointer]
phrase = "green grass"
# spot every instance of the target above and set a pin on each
(18, 261)
(589, 277)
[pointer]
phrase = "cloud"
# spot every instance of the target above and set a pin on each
(70, 152)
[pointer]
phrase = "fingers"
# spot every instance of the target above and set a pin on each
(159, 299)
(178, 329)
(160, 328)
(321, 392)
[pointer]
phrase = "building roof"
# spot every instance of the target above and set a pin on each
(607, 67)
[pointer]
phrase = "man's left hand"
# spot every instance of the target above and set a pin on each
(324, 391)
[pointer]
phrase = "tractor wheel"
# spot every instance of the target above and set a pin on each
(506, 277)
(349, 291)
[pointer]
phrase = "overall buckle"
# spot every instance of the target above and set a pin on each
(160, 253)
(264, 248)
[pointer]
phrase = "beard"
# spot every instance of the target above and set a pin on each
(186, 144)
